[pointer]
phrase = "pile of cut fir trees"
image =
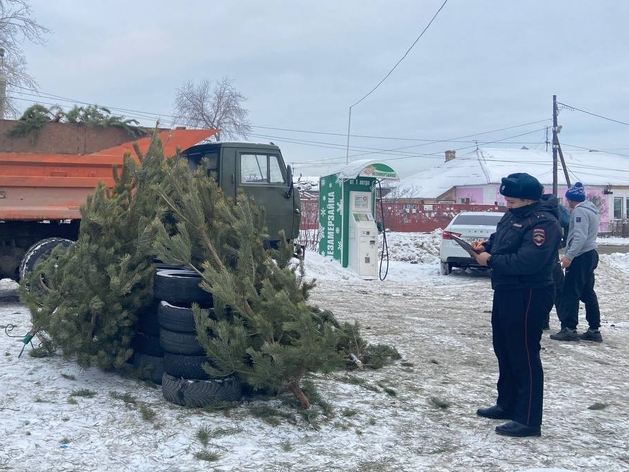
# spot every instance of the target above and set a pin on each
(262, 330)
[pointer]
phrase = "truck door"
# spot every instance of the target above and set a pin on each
(262, 175)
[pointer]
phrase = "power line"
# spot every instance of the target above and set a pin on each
(570, 107)
(404, 56)
(149, 115)
(461, 137)
(153, 116)
(595, 150)
(431, 155)
(349, 120)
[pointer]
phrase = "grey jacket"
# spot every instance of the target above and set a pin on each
(583, 229)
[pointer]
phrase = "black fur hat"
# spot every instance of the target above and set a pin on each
(521, 186)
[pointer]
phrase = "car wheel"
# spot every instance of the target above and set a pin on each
(446, 268)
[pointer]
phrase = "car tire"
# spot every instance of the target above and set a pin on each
(39, 252)
(180, 343)
(445, 268)
(149, 367)
(199, 393)
(186, 367)
(146, 344)
(147, 320)
(176, 318)
(180, 287)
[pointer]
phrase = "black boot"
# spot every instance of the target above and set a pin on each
(592, 335)
(494, 412)
(518, 430)
(566, 334)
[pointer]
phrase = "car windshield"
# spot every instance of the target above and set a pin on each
(490, 219)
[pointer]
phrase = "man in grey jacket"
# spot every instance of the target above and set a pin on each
(580, 261)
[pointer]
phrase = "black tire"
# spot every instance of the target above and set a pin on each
(39, 252)
(159, 265)
(149, 367)
(199, 393)
(180, 287)
(176, 318)
(146, 344)
(180, 343)
(186, 367)
(147, 320)
(445, 268)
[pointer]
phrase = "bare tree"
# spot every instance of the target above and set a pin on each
(17, 25)
(216, 106)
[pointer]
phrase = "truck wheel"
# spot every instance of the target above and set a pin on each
(39, 252)
(180, 343)
(186, 367)
(199, 393)
(180, 287)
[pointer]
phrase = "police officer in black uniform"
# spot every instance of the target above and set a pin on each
(522, 254)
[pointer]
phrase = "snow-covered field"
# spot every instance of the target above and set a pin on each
(417, 415)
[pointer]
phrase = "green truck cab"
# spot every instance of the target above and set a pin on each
(260, 171)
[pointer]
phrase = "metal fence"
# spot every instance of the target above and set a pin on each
(405, 216)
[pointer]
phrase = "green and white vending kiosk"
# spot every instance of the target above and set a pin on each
(347, 226)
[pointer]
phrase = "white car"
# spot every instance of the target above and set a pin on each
(471, 226)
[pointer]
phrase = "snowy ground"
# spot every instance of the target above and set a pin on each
(417, 415)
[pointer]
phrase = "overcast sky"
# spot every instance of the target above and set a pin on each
(482, 65)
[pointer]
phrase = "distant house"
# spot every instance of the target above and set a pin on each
(475, 177)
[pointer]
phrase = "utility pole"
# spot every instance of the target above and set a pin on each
(349, 127)
(547, 141)
(3, 86)
(555, 145)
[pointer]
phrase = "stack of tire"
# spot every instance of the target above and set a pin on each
(184, 381)
(148, 355)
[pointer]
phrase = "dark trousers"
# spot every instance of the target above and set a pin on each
(558, 280)
(516, 320)
(579, 286)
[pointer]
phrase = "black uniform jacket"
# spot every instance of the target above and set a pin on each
(524, 247)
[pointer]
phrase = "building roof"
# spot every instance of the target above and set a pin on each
(488, 166)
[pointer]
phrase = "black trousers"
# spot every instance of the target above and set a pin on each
(516, 320)
(558, 280)
(579, 286)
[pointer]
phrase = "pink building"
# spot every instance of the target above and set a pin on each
(474, 178)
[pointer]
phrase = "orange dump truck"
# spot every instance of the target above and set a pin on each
(41, 192)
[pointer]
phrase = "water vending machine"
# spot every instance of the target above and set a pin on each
(347, 228)
(363, 235)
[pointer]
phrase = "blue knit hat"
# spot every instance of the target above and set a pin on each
(521, 186)
(576, 193)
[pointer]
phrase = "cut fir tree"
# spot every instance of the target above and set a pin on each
(262, 329)
(94, 290)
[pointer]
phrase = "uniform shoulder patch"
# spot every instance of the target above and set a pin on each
(539, 236)
(578, 218)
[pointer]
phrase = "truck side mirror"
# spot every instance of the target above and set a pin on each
(289, 177)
